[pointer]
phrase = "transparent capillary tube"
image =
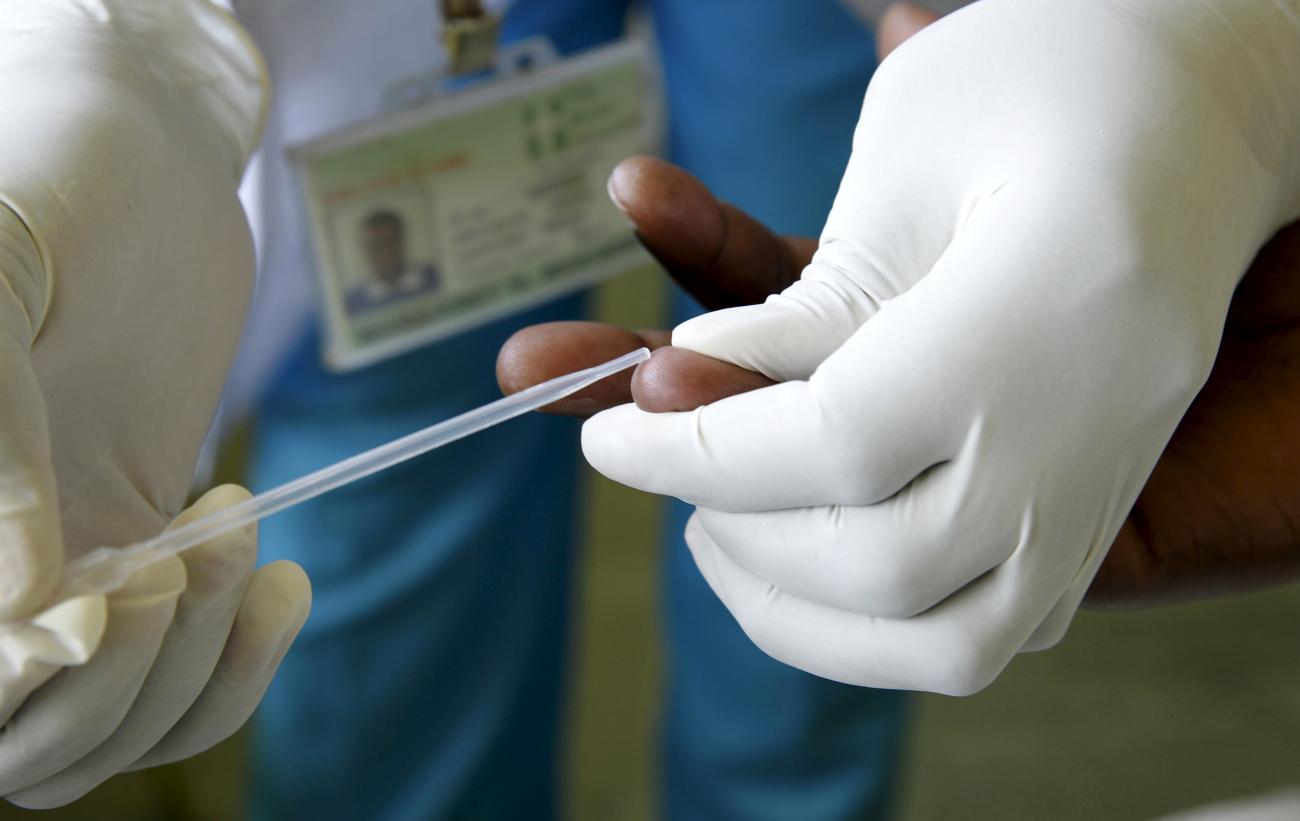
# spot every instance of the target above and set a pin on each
(105, 569)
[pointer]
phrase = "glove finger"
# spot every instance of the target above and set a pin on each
(31, 544)
(955, 648)
(275, 607)
(784, 446)
(76, 711)
(894, 559)
(217, 574)
(787, 336)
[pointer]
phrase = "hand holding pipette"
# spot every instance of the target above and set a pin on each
(184, 629)
(106, 568)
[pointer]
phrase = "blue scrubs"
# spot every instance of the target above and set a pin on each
(427, 682)
(763, 99)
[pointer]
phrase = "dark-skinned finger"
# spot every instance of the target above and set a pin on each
(541, 352)
(899, 22)
(720, 255)
(1220, 511)
(676, 379)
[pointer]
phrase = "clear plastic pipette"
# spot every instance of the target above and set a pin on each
(105, 569)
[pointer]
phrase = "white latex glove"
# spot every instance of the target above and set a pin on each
(189, 647)
(125, 271)
(1019, 290)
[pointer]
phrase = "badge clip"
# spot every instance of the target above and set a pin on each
(470, 35)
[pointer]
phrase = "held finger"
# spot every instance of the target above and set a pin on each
(76, 711)
(218, 572)
(541, 352)
(676, 379)
(273, 612)
(718, 253)
(673, 379)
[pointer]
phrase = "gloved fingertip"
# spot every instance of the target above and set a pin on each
(605, 443)
(275, 608)
(744, 337)
(214, 499)
(225, 559)
(293, 585)
(159, 582)
(703, 331)
(217, 498)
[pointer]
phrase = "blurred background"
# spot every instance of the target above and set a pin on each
(1134, 715)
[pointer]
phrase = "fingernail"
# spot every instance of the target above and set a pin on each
(611, 188)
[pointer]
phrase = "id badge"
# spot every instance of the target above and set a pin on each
(477, 205)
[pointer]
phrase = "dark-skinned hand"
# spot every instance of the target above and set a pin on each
(1220, 512)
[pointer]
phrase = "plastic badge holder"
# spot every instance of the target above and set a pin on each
(105, 569)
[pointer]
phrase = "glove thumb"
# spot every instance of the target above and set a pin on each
(31, 544)
(790, 334)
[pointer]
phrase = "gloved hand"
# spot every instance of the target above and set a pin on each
(1217, 514)
(189, 646)
(125, 269)
(1019, 290)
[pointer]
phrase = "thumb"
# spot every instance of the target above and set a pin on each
(791, 333)
(31, 545)
(872, 248)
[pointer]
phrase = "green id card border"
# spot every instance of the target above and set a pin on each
(443, 218)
